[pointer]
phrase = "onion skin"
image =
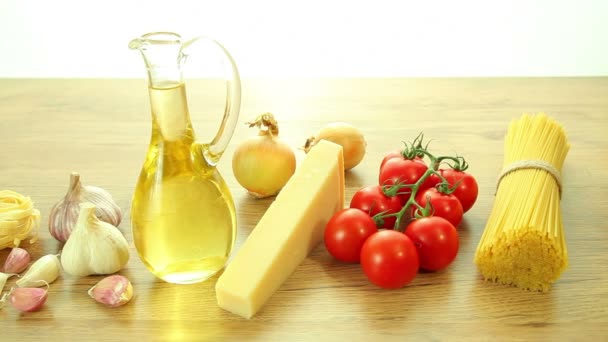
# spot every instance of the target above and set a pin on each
(349, 137)
(263, 165)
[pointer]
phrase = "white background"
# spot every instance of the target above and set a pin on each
(64, 38)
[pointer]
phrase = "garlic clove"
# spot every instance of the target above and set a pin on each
(28, 299)
(94, 247)
(16, 261)
(44, 270)
(107, 210)
(3, 299)
(61, 220)
(112, 291)
(3, 278)
(64, 214)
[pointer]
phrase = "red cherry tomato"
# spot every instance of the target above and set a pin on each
(402, 170)
(444, 205)
(430, 182)
(436, 240)
(389, 259)
(390, 155)
(372, 200)
(467, 189)
(346, 232)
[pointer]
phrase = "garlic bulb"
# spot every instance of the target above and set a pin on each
(65, 213)
(94, 247)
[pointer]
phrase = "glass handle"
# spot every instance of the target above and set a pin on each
(213, 151)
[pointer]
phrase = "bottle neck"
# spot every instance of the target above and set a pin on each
(163, 59)
(170, 113)
(164, 78)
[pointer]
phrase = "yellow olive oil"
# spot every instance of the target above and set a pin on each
(182, 214)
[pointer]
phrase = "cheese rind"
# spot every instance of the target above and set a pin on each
(291, 227)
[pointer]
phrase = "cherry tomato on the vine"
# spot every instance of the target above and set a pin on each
(436, 240)
(467, 189)
(390, 155)
(402, 170)
(346, 232)
(430, 182)
(444, 205)
(389, 259)
(372, 200)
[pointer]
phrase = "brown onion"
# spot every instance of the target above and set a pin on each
(263, 164)
(349, 137)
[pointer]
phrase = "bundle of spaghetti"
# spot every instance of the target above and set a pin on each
(18, 219)
(523, 243)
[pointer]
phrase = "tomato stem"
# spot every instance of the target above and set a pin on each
(411, 200)
(411, 151)
(379, 218)
(445, 188)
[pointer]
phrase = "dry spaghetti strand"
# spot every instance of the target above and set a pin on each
(523, 243)
(19, 219)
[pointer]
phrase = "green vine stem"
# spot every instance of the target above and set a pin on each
(411, 151)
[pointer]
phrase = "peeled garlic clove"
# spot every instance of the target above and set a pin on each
(112, 291)
(16, 261)
(44, 270)
(94, 247)
(3, 278)
(64, 213)
(28, 299)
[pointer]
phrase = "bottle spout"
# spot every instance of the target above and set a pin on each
(156, 38)
(136, 44)
(162, 56)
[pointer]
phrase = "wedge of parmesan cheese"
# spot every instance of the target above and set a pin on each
(291, 227)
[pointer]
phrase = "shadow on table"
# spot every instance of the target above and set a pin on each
(510, 305)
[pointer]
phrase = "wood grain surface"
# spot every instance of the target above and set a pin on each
(101, 129)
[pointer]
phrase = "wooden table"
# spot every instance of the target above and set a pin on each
(101, 128)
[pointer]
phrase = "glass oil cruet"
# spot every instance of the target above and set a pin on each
(182, 215)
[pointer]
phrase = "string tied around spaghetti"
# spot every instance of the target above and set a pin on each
(533, 164)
